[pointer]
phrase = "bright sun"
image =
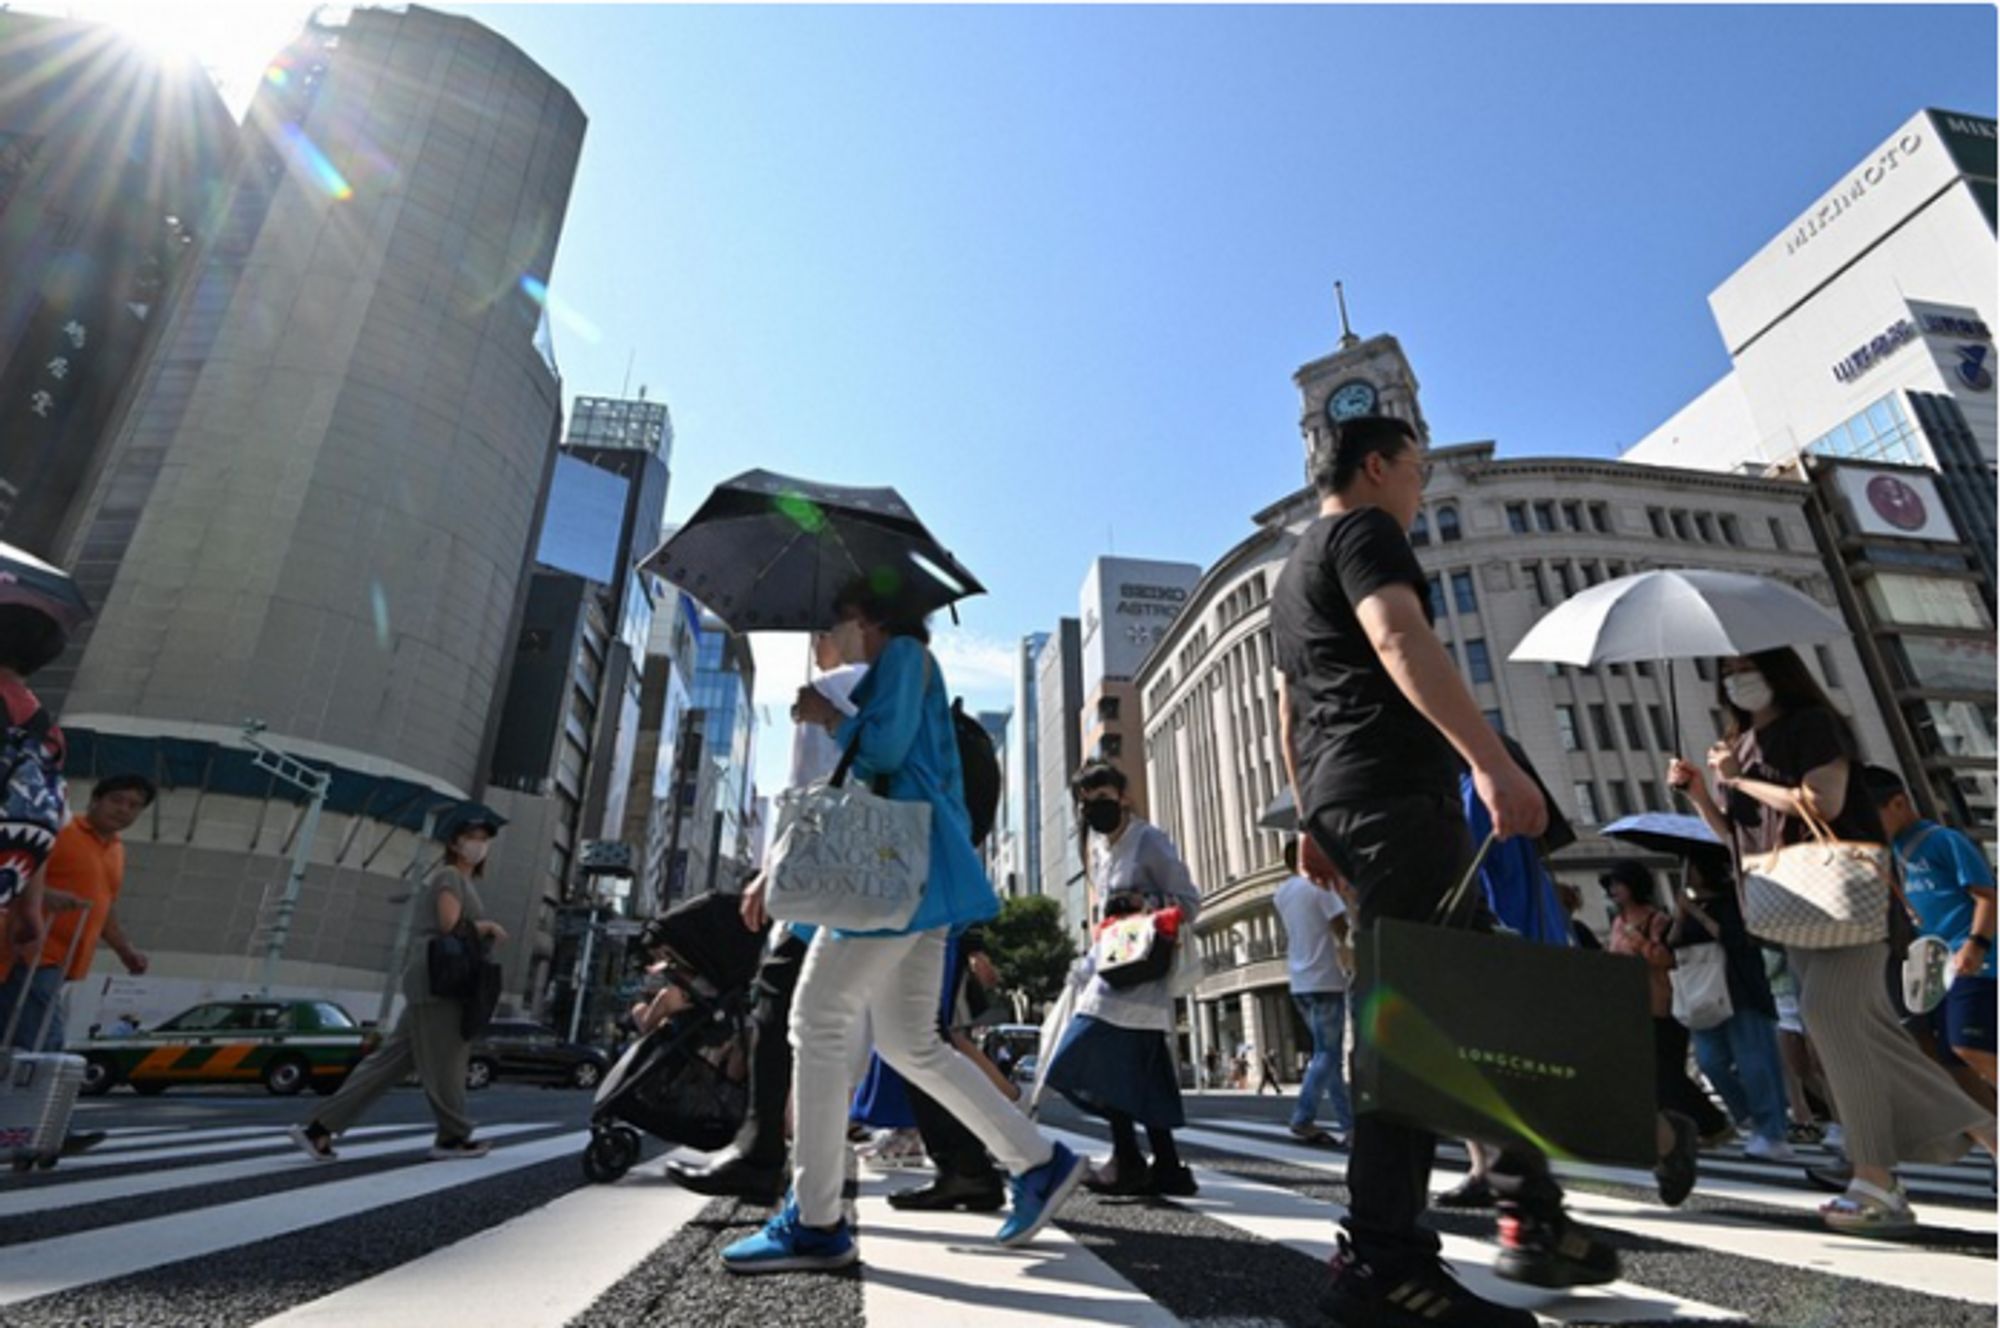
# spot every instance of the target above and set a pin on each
(232, 39)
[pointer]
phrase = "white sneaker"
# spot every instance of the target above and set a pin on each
(1769, 1150)
(1834, 1138)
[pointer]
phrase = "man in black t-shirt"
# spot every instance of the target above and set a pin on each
(1373, 722)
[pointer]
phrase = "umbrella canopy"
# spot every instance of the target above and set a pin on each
(768, 552)
(1680, 613)
(26, 579)
(1666, 832)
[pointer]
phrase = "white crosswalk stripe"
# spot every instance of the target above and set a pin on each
(554, 1255)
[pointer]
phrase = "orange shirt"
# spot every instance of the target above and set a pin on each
(89, 867)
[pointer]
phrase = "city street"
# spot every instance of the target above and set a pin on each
(198, 1211)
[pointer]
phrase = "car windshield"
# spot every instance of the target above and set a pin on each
(200, 1018)
(332, 1016)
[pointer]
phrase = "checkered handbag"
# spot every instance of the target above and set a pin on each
(1822, 894)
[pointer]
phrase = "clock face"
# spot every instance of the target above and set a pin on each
(1351, 398)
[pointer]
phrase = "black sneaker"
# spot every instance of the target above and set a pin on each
(1119, 1179)
(1472, 1192)
(1675, 1173)
(1553, 1254)
(947, 1193)
(1425, 1295)
(81, 1141)
(1171, 1182)
(452, 1150)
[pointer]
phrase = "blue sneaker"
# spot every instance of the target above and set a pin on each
(1038, 1193)
(787, 1245)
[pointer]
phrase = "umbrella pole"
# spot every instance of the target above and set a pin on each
(1674, 704)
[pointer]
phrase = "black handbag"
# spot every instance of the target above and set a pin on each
(453, 962)
(1479, 1035)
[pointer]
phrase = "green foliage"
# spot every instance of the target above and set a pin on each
(1030, 946)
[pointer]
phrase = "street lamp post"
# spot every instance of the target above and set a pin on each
(314, 783)
(399, 955)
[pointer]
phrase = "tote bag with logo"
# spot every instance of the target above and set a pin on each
(1822, 894)
(846, 857)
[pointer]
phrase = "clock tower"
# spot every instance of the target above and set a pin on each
(1366, 376)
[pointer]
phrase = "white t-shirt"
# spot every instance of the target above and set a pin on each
(1308, 913)
(814, 752)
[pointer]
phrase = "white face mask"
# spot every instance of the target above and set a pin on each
(471, 852)
(1748, 691)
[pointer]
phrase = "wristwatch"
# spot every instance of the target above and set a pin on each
(1983, 942)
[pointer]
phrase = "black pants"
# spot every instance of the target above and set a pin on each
(954, 1150)
(1674, 1090)
(762, 1138)
(1403, 855)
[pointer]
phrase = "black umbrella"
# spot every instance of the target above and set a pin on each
(768, 553)
(26, 579)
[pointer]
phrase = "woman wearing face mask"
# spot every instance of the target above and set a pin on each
(1115, 1060)
(902, 733)
(1786, 753)
(427, 1038)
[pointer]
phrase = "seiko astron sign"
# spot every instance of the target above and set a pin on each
(1896, 180)
(1127, 605)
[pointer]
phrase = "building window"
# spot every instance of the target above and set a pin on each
(1563, 581)
(1680, 523)
(1826, 669)
(1621, 797)
(1537, 584)
(1573, 516)
(1635, 737)
(1111, 746)
(1545, 518)
(1643, 667)
(1448, 525)
(1517, 518)
(1420, 532)
(1954, 728)
(1704, 669)
(1778, 534)
(1649, 796)
(1462, 593)
(1495, 720)
(1880, 433)
(1566, 728)
(1705, 524)
(1436, 586)
(1586, 802)
(1107, 708)
(1591, 576)
(1477, 662)
(1921, 601)
(1600, 518)
(1600, 727)
(1658, 520)
(1663, 737)
(1732, 533)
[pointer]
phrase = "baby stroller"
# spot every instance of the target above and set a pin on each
(686, 1081)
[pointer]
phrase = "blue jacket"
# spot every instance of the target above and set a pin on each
(903, 718)
(1518, 889)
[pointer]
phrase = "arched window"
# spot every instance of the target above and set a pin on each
(1420, 533)
(1448, 524)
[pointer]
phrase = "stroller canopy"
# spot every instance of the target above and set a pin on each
(708, 934)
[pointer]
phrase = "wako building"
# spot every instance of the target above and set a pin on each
(1503, 540)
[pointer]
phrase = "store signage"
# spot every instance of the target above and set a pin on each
(1898, 334)
(1840, 200)
(1951, 325)
(1971, 367)
(1895, 505)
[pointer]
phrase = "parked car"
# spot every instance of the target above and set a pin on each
(525, 1050)
(1012, 1048)
(289, 1045)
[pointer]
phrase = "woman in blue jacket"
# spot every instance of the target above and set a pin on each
(902, 731)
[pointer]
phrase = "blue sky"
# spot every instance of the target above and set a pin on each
(1049, 270)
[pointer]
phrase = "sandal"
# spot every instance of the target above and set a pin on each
(1870, 1210)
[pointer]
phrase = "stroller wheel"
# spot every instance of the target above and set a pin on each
(628, 1145)
(606, 1159)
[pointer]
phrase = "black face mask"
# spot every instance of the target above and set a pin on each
(1103, 816)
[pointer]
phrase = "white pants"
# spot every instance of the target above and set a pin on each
(898, 983)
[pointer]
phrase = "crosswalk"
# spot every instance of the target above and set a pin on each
(233, 1226)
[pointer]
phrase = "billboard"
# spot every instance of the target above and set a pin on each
(1127, 605)
(1898, 504)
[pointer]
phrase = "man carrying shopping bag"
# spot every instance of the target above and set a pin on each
(1370, 712)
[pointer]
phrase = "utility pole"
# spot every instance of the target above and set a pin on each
(314, 783)
(399, 956)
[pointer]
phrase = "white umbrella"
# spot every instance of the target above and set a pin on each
(1677, 613)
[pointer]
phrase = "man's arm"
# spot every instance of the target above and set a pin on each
(128, 954)
(1414, 657)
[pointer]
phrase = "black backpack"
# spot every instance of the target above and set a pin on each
(981, 767)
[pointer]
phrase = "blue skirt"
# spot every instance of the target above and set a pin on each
(1103, 1068)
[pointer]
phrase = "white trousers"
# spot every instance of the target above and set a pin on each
(897, 982)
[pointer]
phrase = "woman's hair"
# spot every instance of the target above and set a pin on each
(883, 608)
(1707, 871)
(1096, 775)
(1569, 897)
(1635, 876)
(1793, 688)
(29, 639)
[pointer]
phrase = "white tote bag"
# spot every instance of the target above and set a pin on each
(1823, 894)
(1701, 986)
(847, 859)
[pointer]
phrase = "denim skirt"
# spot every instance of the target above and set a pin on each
(1103, 1068)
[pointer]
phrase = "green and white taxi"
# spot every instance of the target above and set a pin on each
(288, 1045)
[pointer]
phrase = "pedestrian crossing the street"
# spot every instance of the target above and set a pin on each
(233, 1226)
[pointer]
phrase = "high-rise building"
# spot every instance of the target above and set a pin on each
(113, 162)
(1503, 540)
(1024, 777)
(997, 852)
(665, 699)
(709, 834)
(1863, 330)
(319, 503)
(1059, 736)
(1126, 605)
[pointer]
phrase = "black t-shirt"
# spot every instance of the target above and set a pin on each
(1355, 734)
(1783, 752)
